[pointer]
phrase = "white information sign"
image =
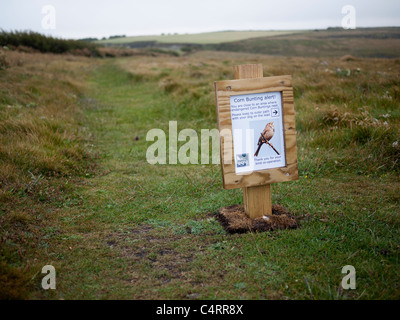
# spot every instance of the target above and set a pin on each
(257, 124)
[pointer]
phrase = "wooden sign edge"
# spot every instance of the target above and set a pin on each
(224, 90)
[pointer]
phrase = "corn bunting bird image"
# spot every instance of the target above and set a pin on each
(265, 136)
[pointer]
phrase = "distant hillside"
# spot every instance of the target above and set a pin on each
(364, 42)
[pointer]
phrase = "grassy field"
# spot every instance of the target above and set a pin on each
(77, 192)
(198, 38)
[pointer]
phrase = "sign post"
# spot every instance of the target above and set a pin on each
(261, 149)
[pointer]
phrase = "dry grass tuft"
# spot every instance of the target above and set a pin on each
(42, 149)
(14, 283)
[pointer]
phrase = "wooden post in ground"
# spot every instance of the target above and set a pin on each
(257, 199)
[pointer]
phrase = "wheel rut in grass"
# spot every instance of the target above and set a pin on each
(163, 253)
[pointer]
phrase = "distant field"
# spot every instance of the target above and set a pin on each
(200, 38)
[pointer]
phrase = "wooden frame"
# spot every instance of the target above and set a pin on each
(224, 90)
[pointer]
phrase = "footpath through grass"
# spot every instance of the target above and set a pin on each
(131, 230)
(153, 227)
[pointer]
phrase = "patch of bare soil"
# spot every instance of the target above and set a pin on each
(235, 220)
(147, 246)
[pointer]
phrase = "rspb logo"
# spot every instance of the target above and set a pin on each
(242, 160)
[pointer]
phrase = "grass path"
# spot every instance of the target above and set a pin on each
(137, 231)
(133, 240)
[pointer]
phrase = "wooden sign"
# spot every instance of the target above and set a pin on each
(261, 149)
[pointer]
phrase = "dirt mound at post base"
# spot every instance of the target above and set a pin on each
(235, 220)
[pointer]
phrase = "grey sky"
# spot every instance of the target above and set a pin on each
(98, 18)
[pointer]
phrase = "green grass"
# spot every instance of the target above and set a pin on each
(42, 155)
(131, 230)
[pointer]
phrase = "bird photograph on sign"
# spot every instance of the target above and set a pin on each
(265, 138)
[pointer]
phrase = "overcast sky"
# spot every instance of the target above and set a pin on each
(101, 18)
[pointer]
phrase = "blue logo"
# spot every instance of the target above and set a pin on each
(242, 160)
